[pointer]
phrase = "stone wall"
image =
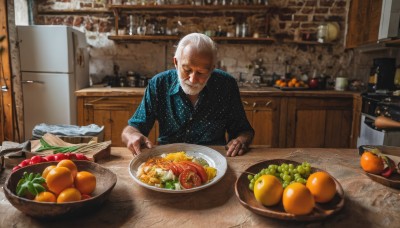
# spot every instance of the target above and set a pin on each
(289, 19)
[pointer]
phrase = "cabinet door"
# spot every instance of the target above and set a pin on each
(319, 122)
(112, 113)
(363, 22)
(263, 115)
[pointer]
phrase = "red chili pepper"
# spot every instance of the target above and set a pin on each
(387, 172)
(390, 167)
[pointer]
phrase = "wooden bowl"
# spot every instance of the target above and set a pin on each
(247, 199)
(392, 152)
(105, 179)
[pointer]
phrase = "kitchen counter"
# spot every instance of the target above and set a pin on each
(244, 90)
(367, 203)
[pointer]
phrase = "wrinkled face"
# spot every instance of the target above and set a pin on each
(194, 69)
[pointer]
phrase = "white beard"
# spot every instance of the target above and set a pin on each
(190, 88)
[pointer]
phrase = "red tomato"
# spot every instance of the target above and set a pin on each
(174, 169)
(81, 157)
(24, 163)
(185, 166)
(50, 157)
(199, 170)
(71, 156)
(85, 196)
(59, 157)
(16, 168)
(189, 179)
(35, 160)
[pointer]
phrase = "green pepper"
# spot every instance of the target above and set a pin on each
(170, 185)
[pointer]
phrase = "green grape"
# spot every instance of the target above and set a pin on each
(272, 171)
(307, 169)
(291, 166)
(279, 169)
(300, 170)
(286, 178)
(251, 186)
(250, 177)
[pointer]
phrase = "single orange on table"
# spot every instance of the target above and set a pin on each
(46, 197)
(58, 179)
(322, 186)
(371, 163)
(69, 165)
(297, 199)
(85, 182)
(69, 195)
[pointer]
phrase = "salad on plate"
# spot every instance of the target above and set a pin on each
(176, 171)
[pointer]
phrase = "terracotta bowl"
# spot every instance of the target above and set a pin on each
(105, 179)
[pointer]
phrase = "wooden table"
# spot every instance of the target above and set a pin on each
(367, 203)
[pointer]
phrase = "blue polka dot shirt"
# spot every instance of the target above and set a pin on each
(218, 110)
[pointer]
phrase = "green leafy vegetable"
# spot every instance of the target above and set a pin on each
(31, 183)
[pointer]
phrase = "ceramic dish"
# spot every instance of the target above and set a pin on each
(291, 88)
(247, 199)
(394, 153)
(213, 158)
(106, 181)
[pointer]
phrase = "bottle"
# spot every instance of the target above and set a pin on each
(131, 25)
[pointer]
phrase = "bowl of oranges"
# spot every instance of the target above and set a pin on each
(289, 190)
(59, 189)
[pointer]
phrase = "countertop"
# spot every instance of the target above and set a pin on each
(244, 90)
(367, 203)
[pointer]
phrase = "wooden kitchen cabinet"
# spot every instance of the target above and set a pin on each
(263, 115)
(110, 112)
(318, 122)
(363, 22)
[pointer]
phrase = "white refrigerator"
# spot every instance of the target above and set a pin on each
(54, 64)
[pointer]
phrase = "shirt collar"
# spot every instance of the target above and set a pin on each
(175, 86)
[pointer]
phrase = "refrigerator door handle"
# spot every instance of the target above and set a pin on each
(31, 82)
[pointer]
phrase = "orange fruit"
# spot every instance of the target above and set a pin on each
(69, 195)
(322, 186)
(69, 165)
(297, 199)
(59, 179)
(371, 163)
(45, 197)
(47, 170)
(85, 182)
(268, 190)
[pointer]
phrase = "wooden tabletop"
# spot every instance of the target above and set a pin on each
(367, 203)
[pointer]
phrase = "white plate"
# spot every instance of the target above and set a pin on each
(213, 158)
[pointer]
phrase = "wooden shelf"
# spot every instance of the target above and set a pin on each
(306, 42)
(192, 7)
(128, 38)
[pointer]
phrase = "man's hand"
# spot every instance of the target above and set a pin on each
(239, 145)
(236, 147)
(135, 140)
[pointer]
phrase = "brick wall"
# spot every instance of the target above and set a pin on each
(290, 19)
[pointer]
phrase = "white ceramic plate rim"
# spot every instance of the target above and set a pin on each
(213, 157)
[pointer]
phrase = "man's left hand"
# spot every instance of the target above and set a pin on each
(236, 147)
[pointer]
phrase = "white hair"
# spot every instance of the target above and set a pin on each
(200, 42)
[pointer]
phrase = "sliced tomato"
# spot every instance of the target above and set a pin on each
(189, 179)
(185, 166)
(174, 169)
(199, 170)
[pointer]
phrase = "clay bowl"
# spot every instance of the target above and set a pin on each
(105, 179)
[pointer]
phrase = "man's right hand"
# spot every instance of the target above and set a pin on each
(135, 140)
